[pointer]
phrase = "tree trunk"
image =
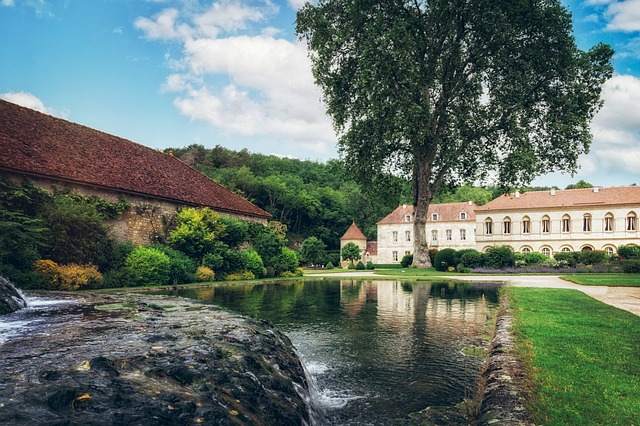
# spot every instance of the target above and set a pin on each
(421, 199)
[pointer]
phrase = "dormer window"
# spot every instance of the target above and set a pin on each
(407, 218)
(434, 216)
(463, 215)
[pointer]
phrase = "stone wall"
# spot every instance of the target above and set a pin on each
(148, 219)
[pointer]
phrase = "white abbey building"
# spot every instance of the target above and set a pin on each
(537, 221)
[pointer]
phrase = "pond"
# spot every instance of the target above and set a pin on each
(376, 351)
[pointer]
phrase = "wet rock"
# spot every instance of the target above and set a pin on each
(10, 298)
(146, 365)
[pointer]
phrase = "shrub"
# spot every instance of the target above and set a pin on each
(116, 278)
(287, 260)
(329, 265)
(472, 259)
(533, 258)
(240, 276)
(213, 261)
(119, 254)
(370, 265)
(593, 257)
(74, 276)
(407, 260)
(350, 266)
(148, 266)
(432, 255)
(630, 266)
(254, 263)
(461, 253)
(50, 270)
(444, 258)
(499, 257)
(567, 258)
(629, 252)
(270, 272)
(205, 274)
(182, 266)
(297, 273)
(360, 266)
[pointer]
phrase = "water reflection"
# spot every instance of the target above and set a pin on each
(378, 350)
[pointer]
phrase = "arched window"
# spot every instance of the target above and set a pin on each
(609, 250)
(488, 227)
(526, 225)
(525, 250)
(587, 248)
(566, 248)
(546, 224)
(434, 216)
(463, 215)
(407, 218)
(506, 225)
(632, 222)
(608, 222)
(586, 223)
(546, 251)
(566, 223)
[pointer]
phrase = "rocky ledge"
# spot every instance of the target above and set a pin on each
(10, 299)
(151, 360)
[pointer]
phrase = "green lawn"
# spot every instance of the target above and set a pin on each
(613, 280)
(584, 357)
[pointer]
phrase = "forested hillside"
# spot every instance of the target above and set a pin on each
(311, 198)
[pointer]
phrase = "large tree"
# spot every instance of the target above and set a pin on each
(446, 91)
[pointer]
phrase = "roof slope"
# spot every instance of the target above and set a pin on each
(448, 212)
(589, 197)
(41, 145)
(354, 233)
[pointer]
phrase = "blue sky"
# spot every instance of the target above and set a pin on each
(230, 72)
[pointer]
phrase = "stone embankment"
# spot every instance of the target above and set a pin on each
(151, 360)
(10, 298)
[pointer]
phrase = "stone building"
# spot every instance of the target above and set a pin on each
(450, 225)
(368, 249)
(561, 220)
(55, 153)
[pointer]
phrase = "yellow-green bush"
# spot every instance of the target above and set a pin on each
(50, 270)
(239, 276)
(205, 274)
(74, 276)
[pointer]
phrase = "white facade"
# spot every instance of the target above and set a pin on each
(553, 221)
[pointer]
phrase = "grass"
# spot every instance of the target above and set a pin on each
(583, 356)
(612, 280)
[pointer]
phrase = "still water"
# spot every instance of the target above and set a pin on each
(376, 351)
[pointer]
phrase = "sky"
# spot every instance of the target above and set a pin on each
(171, 73)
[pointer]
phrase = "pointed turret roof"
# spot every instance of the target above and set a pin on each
(353, 233)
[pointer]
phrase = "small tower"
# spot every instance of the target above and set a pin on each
(353, 235)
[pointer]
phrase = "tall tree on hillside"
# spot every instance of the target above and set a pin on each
(450, 90)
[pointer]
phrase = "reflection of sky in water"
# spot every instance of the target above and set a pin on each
(375, 350)
(25, 321)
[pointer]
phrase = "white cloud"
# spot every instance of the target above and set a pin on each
(297, 4)
(8, 3)
(263, 84)
(31, 101)
(616, 128)
(623, 16)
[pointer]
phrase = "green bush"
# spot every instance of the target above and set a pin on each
(444, 259)
(329, 265)
(462, 252)
(370, 265)
(254, 263)
(183, 268)
(432, 255)
(270, 272)
(567, 258)
(407, 260)
(593, 257)
(351, 266)
(116, 278)
(240, 276)
(500, 257)
(287, 260)
(629, 252)
(213, 261)
(289, 274)
(533, 258)
(148, 266)
(472, 259)
(205, 274)
(630, 266)
(389, 266)
(360, 266)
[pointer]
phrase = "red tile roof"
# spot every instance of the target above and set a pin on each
(353, 233)
(448, 212)
(590, 197)
(41, 145)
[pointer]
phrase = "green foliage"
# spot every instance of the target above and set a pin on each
(213, 261)
(371, 266)
(254, 263)
(329, 265)
(196, 232)
(312, 251)
(533, 258)
(148, 266)
(477, 194)
(119, 254)
(499, 257)
(235, 232)
(567, 258)
(360, 266)
(593, 257)
(630, 266)
(240, 276)
(351, 266)
(182, 266)
(581, 184)
(286, 261)
(472, 259)
(351, 252)
(444, 259)
(629, 252)
(116, 278)
(271, 272)
(407, 260)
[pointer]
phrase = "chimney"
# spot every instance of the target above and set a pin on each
(470, 202)
(404, 206)
(596, 189)
(517, 194)
(553, 191)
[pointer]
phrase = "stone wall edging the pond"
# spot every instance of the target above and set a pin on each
(503, 393)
